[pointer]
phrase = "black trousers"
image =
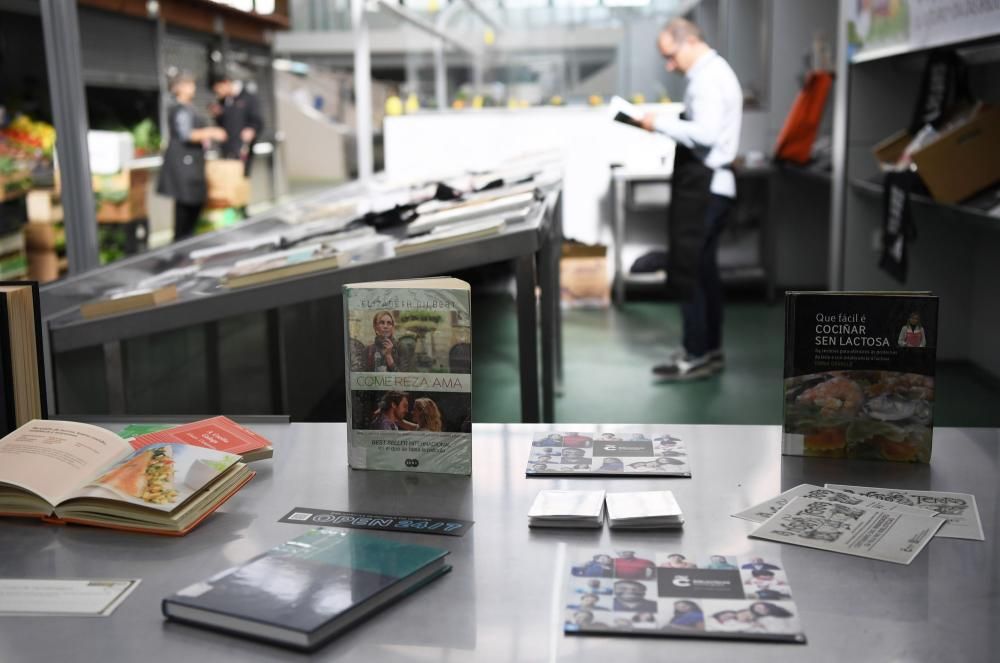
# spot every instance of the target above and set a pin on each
(185, 219)
(702, 312)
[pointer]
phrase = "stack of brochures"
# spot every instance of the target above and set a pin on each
(892, 525)
(653, 509)
(567, 508)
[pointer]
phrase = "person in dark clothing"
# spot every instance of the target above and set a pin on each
(238, 112)
(703, 191)
(182, 176)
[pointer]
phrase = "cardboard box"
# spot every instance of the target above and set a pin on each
(962, 161)
(45, 266)
(44, 236)
(43, 206)
(583, 276)
(128, 185)
(14, 185)
(227, 186)
(110, 151)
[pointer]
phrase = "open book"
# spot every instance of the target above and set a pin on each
(62, 471)
(623, 111)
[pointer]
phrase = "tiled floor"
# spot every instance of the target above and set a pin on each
(608, 355)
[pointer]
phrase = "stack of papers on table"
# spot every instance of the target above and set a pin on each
(567, 508)
(654, 509)
(892, 525)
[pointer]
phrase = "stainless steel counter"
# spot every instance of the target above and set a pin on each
(502, 602)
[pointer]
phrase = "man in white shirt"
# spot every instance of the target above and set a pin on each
(703, 193)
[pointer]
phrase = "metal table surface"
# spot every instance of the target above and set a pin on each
(502, 602)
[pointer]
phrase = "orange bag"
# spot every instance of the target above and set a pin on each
(799, 131)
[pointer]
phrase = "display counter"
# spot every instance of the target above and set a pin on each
(276, 347)
(503, 599)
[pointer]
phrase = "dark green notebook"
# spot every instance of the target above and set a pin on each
(305, 591)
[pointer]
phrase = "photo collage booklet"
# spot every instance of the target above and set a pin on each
(680, 593)
(607, 454)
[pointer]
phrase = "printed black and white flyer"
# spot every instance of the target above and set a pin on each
(678, 593)
(761, 512)
(958, 510)
(854, 530)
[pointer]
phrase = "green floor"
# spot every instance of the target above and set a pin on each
(608, 355)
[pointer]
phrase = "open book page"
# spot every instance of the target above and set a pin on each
(54, 458)
(160, 476)
(623, 111)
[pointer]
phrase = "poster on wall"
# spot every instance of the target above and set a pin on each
(878, 28)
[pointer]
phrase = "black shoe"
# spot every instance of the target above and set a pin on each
(689, 368)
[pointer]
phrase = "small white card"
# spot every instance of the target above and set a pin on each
(958, 510)
(854, 530)
(651, 505)
(79, 598)
(761, 512)
(567, 504)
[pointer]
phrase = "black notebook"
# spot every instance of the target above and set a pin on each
(305, 591)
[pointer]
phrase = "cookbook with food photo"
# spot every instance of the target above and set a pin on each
(69, 472)
(859, 375)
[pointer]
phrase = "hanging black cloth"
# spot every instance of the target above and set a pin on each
(944, 88)
(898, 228)
(690, 189)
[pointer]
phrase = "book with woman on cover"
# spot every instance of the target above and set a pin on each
(859, 374)
(409, 391)
(68, 472)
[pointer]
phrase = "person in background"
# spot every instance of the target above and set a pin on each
(182, 176)
(238, 112)
(702, 195)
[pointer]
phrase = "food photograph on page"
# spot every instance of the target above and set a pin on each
(160, 477)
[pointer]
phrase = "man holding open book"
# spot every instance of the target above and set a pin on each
(703, 190)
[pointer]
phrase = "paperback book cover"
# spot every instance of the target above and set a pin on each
(409, 370)
(859, 375)
(305, 591)
(219, 433)
(679, 593)
(611, 453)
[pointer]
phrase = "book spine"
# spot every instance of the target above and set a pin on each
(788, 444)
(352, 459)
(8, 418)
(39, 351)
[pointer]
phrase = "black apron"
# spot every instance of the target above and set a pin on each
(690, 189)
(182, 176)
